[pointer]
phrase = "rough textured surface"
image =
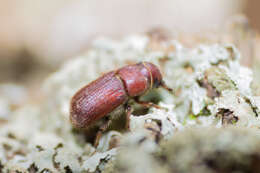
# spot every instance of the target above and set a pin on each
(96, 100)
(208, 150)
(211, 90)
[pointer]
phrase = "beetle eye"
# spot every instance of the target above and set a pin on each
(157, 83)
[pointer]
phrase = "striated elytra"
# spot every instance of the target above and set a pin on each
(114, 89)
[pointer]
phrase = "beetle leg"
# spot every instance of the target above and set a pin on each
(146, 104)
(163, 85)
(100, 131)
(129, 111)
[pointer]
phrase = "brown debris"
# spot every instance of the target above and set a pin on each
(227, 116)
(155, 128)
(32, 169)
(114, 142)
(212, 92)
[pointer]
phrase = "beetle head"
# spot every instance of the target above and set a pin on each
(156, 74)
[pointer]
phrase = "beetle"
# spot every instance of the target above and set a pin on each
(96, 104)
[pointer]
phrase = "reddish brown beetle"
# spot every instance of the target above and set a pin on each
(112, 91)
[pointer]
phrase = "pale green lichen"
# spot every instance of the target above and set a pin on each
(210, 86)
(207, 150)
(212, 150)
(93, 162)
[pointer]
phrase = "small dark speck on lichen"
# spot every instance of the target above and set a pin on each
(1, 167)
(20, 152)
(60, 145)
(56, 164)
(11, 136)
(80, 160)
(204, 112)
(142, 140)
(7, 147)
(212, 92)
(45, 170)
(227, 116)
(33, 168)
(40, 148)
(253, 107)
(67, 169)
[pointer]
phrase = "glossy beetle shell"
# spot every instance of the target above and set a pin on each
(104, 95)
(96, 100)
(136, 78)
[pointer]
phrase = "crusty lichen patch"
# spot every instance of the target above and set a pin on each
(207, 150)
(212, 150)
(210, 86)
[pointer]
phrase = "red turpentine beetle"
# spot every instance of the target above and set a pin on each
(94, 104)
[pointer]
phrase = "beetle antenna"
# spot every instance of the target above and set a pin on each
(163, 85)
